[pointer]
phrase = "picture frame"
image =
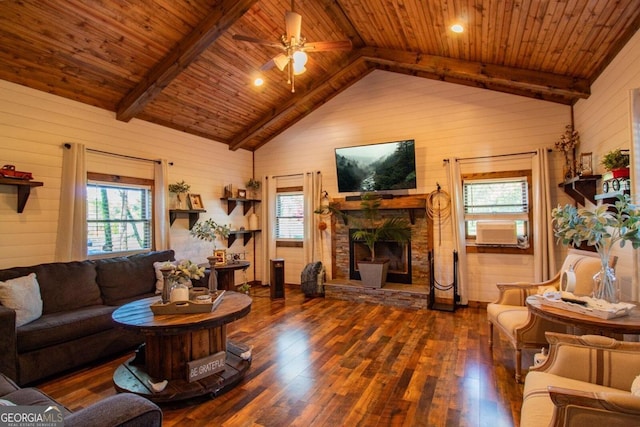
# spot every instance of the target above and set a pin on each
(586, 164)
(242, 193)
(221, 256)
(195, 202)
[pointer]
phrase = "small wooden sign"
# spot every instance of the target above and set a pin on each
(197, 369)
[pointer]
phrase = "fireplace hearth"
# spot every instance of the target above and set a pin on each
(398, 254)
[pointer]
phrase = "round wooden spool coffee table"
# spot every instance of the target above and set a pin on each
(191, 350)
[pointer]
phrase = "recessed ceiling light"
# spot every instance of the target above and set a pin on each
(258, 81)
(457, 28)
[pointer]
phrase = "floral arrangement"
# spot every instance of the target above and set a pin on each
(184, 271)
(179, 187)
(568, 140)
(209, 229)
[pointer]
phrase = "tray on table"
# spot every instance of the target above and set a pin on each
(188, 307)
(591, 309)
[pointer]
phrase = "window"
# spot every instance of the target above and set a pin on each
(500, 200)
(119, 216)
(290, 216)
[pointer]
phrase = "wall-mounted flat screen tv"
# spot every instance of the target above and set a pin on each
(377, 167)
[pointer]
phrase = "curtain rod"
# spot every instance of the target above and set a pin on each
(67, 145)
(489, 157)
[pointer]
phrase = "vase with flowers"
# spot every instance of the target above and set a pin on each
(179, 189)
(601, 228)
(177, 279)
(567, 144)
(253, 186)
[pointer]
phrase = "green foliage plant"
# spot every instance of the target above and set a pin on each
(209, 229)
(615, 159)
(600, 228)
(370, 226)
(253, 184)
(179, 187)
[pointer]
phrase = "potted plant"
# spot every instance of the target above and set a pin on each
(602, 229)
(253, 186)
(178, 189)
(208, 230)
(617, 162)
(371, 228)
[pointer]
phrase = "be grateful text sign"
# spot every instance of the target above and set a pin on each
(197, 369)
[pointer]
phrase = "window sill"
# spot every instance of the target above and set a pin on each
(497, 249)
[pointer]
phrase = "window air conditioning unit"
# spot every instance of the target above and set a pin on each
(496, 233)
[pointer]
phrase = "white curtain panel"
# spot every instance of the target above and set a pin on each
(71, 242)
(160, 196)
(457, 225)
(268, 222)
(543, 239)
(312, 188)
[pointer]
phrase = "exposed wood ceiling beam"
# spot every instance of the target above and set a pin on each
(180, 57)
(339, 70)
(548, 86)
(337, 14)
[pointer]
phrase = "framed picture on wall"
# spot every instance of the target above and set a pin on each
(195, 201)
(586, 164)
(242, 194)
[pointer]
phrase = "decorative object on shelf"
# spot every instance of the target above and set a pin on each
(369, 229)
(567, 144)
(616, 162)
(9, 171)
(195, 202)
(601, 229)
(253, 186)
(253, 221)
(208, 230)
(242, 193)
(586, 164)
(228, 191)
(179, 188)
(220, 256)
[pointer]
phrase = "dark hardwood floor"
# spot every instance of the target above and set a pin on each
(319, 362)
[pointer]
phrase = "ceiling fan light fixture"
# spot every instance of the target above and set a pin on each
(281, 61)
(299, 61)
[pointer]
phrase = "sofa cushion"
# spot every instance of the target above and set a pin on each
(7, 385)
(34, 397)
(124, 278)
(63, 285)
(537, 407)
(22, 294)
(55, 328)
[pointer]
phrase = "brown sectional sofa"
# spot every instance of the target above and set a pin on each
(76, 326)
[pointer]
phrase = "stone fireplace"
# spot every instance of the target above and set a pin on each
(399, 257)
(410, 265)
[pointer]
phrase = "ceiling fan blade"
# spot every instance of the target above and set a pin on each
(279, 61)
(293, 23)
(258, 41)
(330, 45)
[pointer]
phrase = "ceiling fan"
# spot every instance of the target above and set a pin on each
(294, 47)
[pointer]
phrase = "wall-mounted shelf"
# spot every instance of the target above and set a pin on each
(24, 189)
(581, 188)
(246, 236)
(193, 214)
(232, 202)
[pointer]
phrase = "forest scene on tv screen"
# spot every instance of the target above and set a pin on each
(387, 166)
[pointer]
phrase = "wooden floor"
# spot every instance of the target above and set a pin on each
(320, 362)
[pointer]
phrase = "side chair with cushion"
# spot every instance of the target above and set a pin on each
(511, 317)
(587, 380)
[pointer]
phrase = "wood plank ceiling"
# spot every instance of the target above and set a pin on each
(175, 62)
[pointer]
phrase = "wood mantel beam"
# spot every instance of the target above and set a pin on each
(179, 58)
(553, 87)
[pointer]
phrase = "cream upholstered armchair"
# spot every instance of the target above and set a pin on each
(511, 317)
(585, 381)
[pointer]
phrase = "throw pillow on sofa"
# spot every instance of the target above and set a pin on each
(22, 294)
(159, 277)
